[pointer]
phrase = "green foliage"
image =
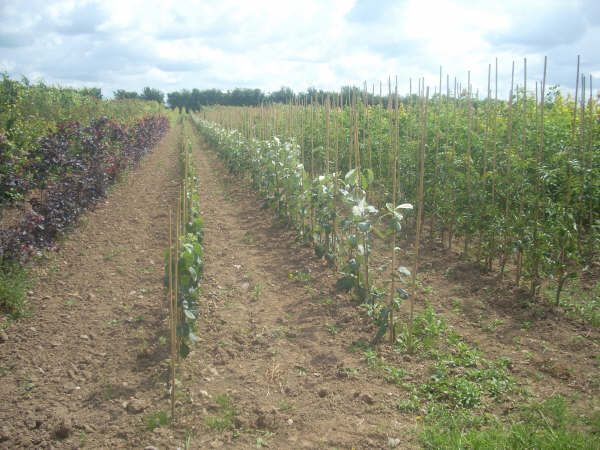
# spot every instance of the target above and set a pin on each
(189, 262)
(150, 94)
(121, 94)
(457, 391)
(487, 180)
(156, 420)
(28, 111)
(225, 420)
(15, 280)
(581, 302)
(548, 425)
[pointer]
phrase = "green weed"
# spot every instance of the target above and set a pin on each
(155, 420)
(225, 419)
(15, 280)
(546, 425)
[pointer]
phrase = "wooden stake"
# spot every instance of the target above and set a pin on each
(508, 174)
(172, 323)
(327, 139)
(392, 325)
(419, 224)
(540, 158)
(523, 156)
(573, 129)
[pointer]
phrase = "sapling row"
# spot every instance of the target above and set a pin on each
(331, 211)
(184, 262)
(487, 183)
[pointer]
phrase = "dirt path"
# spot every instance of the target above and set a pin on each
(276, 338)
(82, 369)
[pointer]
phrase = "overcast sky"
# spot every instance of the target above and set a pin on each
(170, 45)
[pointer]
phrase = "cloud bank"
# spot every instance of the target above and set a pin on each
(266, 44)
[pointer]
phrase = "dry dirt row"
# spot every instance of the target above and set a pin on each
(82, 369)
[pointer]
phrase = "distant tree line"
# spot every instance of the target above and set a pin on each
(193, 100)
(148, 93)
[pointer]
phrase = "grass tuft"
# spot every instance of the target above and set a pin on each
(15, 280)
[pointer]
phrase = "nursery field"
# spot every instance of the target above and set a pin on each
(351, 271)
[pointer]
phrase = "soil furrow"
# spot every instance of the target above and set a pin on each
(273, 337)
(85, 367)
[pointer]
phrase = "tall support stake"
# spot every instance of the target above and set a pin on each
(419, 225)
(536, 211)
(394, 195)
(573, 131)
(172, 321)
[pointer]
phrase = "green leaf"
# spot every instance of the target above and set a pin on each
(320, 250)
(353, 266)
(351, 177)
(330, 257)
(190, 314)
(402, 293)
(370, 176)
(382, 323)
(364, 227)
(183, 330)
(403, 270)
(184, 349)
(345, 283)
(379, 234)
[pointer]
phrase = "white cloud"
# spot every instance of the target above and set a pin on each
(266, 44)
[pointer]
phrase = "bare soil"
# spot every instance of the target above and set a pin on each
(91, 365)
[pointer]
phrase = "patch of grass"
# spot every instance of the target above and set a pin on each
(493, 325)
(580, 302)
(391, 373)
(225, 419)
(410, 405)
(110, 255)
(248, 238)
(333, 330)
(427, 329)
(155, 420)
(394, 375)
(457, 306)
(546, 425)
(82, 439)
(459, 375)
(526, 326)
(15, 280)
(284, 405)
(458, 391)
(348, 372)
(326, 301)
(302, 276)
(138, 318)
(261, 441)
(258, 289)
